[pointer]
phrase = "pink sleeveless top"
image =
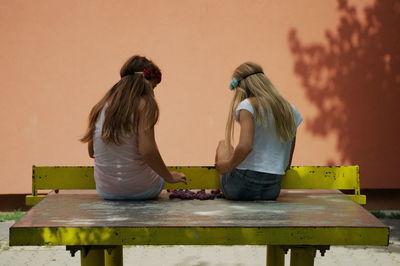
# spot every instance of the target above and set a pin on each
(120, 169)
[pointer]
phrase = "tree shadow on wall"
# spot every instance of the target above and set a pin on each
(354, 82)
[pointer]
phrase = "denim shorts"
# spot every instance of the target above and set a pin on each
(149, 194)
(250, 185)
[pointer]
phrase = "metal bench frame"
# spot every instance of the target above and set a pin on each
(45, 178)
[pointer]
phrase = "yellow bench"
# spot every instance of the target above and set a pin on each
(46, 178)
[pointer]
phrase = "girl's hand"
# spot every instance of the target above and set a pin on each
(178, 177)
(223, 167)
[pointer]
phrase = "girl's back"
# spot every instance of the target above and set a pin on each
(269, 153)
(119, 169)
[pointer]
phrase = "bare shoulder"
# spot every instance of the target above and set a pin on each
(245, 114)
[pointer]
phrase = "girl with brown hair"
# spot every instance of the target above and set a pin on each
(268, 122)
(120, 136)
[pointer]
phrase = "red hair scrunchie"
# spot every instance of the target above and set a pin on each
(148, 73)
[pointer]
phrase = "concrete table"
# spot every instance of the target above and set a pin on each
(300, 220)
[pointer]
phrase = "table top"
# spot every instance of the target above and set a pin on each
(323, 217)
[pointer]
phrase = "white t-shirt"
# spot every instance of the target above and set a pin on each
(120, 169)
(269, 154)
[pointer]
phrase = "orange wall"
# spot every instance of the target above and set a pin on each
(59, 57)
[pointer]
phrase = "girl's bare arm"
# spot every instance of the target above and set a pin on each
(244, 147)
(149, 151)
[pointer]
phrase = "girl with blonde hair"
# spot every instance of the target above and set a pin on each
(120, 136)
(268, 122)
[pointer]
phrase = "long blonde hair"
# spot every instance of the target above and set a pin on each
(138, 76)
(252, 82)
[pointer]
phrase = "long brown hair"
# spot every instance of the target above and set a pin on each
(252, 82)
(139, 75)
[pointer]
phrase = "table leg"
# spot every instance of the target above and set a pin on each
(113, 256)
(92, 256)
(302, 256)
(275, 256)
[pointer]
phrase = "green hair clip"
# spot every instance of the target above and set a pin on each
(234, 83)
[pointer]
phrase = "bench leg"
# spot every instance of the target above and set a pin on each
(113, 256)
(275, 256)
(92, 257)
(302, 256)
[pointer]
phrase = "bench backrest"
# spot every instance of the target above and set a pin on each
(201, 177)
